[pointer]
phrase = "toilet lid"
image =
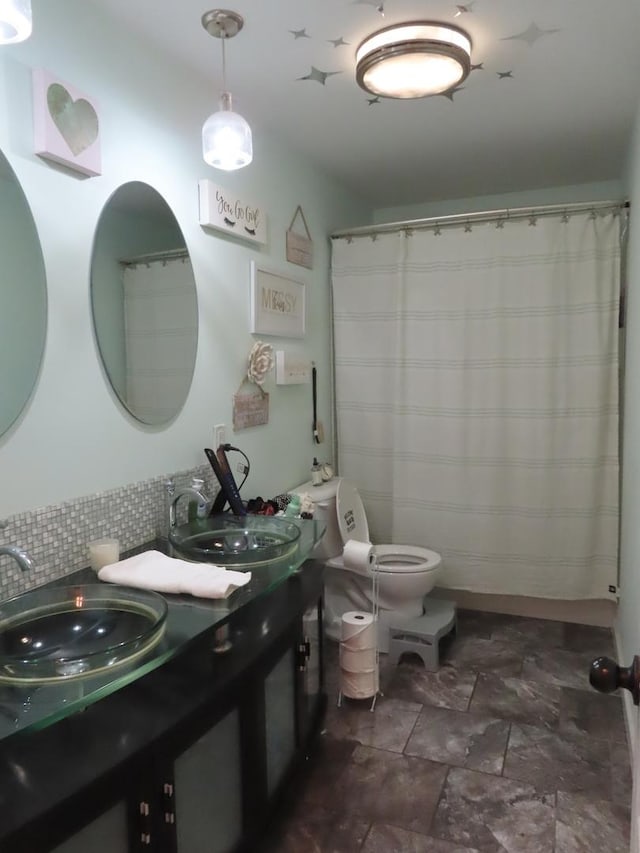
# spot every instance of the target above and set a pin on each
(352, 519)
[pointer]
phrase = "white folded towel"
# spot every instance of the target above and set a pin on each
(154, 570)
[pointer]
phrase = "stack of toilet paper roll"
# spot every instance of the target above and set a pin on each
(358, 656)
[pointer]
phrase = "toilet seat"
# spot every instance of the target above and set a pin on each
(405, 559)
(391, 559)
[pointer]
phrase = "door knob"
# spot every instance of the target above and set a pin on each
(606, 676)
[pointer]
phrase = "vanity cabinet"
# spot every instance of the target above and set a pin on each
(194, 756)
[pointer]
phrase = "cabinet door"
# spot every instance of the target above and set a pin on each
(208, 793)
(280, 731)
(311, 667)
(107, 834)
(313, 670)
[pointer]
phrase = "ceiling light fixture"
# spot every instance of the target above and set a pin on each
(15, 21)
(226, 136)
(413, 60)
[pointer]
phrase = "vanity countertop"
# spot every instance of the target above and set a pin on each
(86, 758)
(29, 708)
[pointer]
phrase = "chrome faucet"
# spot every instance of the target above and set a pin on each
(19, 555)
(195, 495)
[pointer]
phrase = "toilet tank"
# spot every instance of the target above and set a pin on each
(324, 499)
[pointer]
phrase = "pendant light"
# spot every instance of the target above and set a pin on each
(226, 136)
(15, 21)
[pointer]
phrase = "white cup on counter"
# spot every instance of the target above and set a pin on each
(103, 552)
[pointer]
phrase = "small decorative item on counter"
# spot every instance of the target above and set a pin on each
(258, 506)
(196, 509)
(316, 473)
(326, 471)
(103, 552)
(307, 506)
(293, 507)
(261, 362)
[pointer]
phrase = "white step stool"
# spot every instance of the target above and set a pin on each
(422, 635)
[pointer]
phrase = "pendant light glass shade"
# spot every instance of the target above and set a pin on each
(15, 21)
(226, 138)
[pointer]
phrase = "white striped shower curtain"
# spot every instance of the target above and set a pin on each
(476, 385)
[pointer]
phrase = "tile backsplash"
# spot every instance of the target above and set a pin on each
(56, 537)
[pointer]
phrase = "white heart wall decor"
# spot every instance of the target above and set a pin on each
(76, 120)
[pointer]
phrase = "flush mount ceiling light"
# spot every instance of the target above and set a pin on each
(226, 136)
(15, 21)
(413, 60)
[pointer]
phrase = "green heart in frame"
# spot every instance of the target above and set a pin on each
(77, 121)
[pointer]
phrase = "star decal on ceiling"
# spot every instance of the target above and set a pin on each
(372, 101)
(505, 75)
(300, 34)
(338, 42)
(530, 35)
(318, 76)
(451, 93)
(478, 67)
(465, 8)
(377, 4)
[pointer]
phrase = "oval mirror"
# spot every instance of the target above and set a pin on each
(23, 315)
(144, 303)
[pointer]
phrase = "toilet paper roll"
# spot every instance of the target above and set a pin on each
(358, 556)
(357, 660)
(359, 685)
(358, 630)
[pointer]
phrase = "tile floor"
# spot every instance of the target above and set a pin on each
(506, 749)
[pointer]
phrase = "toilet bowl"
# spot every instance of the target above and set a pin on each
(405, 573)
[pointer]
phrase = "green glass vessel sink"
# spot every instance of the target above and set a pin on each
(60, 633)
(241, 542)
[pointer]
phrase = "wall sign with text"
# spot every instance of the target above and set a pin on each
(277, 304)
(222, 210)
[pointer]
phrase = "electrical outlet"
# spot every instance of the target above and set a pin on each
(219, 435)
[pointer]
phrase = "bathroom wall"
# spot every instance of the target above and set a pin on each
(74, 439)
(628, 622)
(602, 191)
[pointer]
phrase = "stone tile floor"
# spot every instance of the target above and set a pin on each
(506, 749)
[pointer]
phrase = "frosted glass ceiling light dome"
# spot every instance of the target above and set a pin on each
(226, 136)
(413, 60)
(15, 21)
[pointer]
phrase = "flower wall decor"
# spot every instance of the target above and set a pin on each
(261, 362)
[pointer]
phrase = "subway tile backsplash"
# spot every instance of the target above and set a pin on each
(56, 537)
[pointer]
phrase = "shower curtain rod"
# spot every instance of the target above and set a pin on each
(153, 257)
(507, 213)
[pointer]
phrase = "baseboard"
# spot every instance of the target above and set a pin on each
(586, 612)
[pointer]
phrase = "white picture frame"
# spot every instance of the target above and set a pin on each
(278, 304)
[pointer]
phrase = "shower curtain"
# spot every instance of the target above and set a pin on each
(159, 307)
(476, 388)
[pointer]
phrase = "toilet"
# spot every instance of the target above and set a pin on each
(406, 573)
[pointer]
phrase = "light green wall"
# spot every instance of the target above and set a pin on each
(602, 191)
(74, 438)
(628, 622)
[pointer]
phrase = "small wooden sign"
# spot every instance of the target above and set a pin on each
(300, 246)
(223, 211)
(250, 406)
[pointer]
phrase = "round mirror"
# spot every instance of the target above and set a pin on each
(144, 303)
(23, 315)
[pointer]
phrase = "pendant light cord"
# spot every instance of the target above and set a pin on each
(224, 63)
